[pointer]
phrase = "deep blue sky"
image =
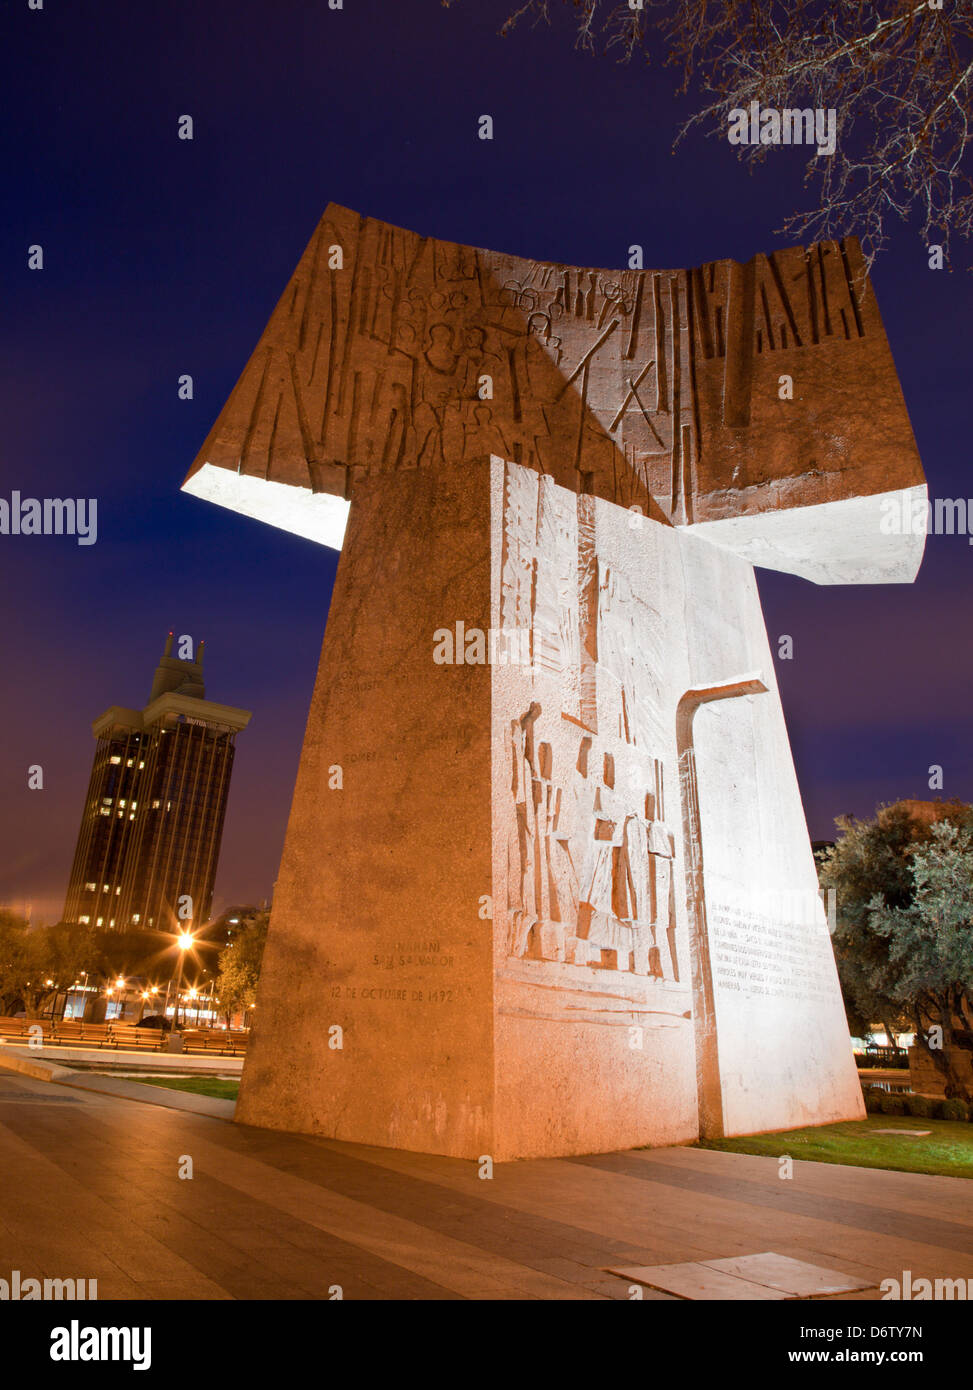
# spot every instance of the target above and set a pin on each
(164, 256)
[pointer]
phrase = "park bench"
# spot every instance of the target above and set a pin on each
(19, 1027)
(217, 1040)
(143, 1039)
(59, 1031)
(74, 1032)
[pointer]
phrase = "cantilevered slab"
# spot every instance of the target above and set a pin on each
(667, 390)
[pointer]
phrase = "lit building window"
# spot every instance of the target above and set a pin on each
(114, 759)
(136, 916)
(85, 920)
(118, 890)
(130, 763)
(98, 921)
(104, 810)
(90, 887)
(106, 801)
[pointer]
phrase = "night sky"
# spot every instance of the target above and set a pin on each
(165, 256)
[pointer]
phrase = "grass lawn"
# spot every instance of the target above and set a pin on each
(947, 1151)
(199, 1085)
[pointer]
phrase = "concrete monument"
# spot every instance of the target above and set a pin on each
(547, 886)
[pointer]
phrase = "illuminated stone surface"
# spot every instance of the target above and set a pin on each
(557, 896)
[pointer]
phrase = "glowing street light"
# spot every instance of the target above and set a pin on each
(184, 941)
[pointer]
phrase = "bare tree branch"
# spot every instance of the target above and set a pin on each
(897, 73)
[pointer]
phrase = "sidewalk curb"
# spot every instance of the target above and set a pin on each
(124, 1089)
(110, 1059)
(119, 1087)
(40, 1071)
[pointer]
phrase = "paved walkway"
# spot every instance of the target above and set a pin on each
(91, 1189)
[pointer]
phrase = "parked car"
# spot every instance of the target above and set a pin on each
(155, 1021)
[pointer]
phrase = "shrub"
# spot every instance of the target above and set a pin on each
(872, 1096)
(922, 1107)
(892, 1105)
(955, 1110)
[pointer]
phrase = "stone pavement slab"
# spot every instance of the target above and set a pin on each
(698, 1281)
(791, 1276)
(913, 1133)
(766, 1275)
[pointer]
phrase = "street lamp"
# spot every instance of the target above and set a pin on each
(183, 941)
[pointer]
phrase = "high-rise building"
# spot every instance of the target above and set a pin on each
(153, 817)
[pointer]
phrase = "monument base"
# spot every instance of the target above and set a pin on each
(547, 887)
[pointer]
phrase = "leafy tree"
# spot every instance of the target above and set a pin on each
(899, 75)
(63, 953)
(930, 952)
(872, 872)
(239, 965)
(37, 964)
(13, 958)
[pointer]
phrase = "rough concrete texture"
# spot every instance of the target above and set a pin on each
(547, 887)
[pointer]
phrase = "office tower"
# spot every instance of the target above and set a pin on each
(153, 816)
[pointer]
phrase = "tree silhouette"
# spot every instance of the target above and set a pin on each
(898, 76)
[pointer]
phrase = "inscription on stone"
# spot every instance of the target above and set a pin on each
(767, 956)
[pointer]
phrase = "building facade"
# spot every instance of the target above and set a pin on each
(153, 816)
